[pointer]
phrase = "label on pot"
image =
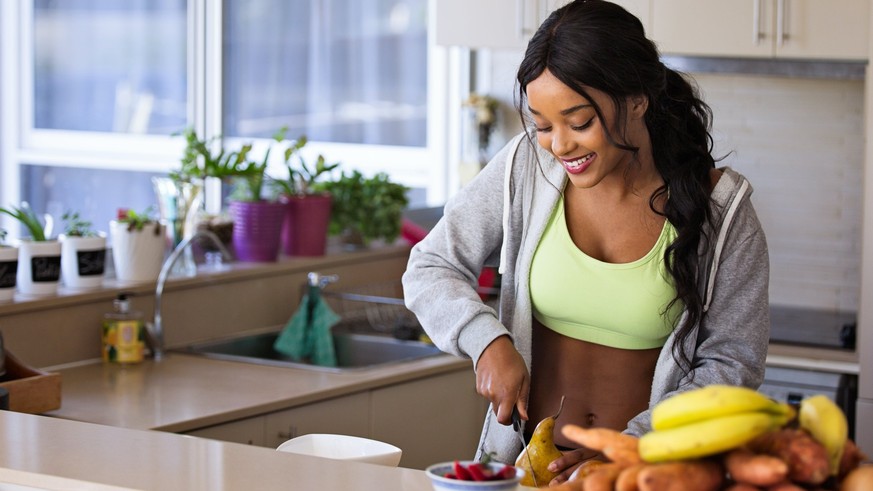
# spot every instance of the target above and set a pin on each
(8, 270)
(91, 263)
(45, 269)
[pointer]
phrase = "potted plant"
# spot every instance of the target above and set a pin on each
(83, 253)
(138, 246)
(257, 222)
(304, 232)
(365, 209)
(8, 268)
(39, 257)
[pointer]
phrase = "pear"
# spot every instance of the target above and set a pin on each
(539, 453)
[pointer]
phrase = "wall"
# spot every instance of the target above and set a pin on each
(801, 144)
(67, 328)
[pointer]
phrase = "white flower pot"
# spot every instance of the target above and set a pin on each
(83, 261)
(137, 254)
(39, 267)
(8, 271)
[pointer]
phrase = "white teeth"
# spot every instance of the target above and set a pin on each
(579, 162)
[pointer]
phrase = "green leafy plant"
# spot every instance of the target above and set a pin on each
(28, 218)
(76, 226)
(137, 220)
(371, 207)
(200, 161)
(302, 178)
(250, 178)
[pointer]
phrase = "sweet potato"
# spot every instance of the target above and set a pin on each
(852, 458)
(603, 477)
(627, 478)
(806, 458)
(745, 466)
(785, 486)
(624, 457)
(739, 486)
(600, 438)
(742, 487)
(687, 475)
(859, 479)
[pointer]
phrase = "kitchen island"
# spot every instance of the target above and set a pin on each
(39, 452)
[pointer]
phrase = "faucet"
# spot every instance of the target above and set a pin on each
(156, 328)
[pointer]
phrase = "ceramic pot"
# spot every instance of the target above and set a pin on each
(257, 227)
(83, 261)
(39, 267)
(304, 232)
(8, 271)
(137, 254)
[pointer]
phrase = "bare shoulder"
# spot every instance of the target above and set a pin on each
(714, 176)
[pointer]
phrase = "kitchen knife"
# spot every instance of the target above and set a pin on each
(516, 427)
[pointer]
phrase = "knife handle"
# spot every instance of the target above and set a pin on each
(516, 419)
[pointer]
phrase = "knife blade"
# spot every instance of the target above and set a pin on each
(516, 427)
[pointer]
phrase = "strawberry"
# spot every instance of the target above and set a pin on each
(508, 472)
(479, 472)
(462, 472)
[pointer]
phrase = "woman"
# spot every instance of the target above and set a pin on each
(631, 267)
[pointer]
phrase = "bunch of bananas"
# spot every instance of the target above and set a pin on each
(710, 420)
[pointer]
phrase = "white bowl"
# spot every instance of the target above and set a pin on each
(343, 447)
(437, 473)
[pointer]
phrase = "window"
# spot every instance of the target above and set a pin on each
(95, 91)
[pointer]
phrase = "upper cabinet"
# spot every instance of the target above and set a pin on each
(490, 23)
(810, 29)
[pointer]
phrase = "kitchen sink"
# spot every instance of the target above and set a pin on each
(354, 351)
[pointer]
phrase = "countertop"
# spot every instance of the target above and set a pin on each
(184, 392)
(38, 452)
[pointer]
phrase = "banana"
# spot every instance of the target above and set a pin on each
(712, 401)
(826, 422)
(707, 437)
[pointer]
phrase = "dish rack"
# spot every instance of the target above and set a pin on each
(375, 307)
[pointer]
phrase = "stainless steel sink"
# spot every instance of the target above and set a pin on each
(354, 351)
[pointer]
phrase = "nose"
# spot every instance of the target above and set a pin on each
(562, 143)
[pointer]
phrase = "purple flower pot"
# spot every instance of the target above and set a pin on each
(304, 232)
(257, 226)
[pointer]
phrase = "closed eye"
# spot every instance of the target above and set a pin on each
(584, 126)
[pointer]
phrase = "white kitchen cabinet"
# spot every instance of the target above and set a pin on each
(249, 431)
(434, 419)
(346, 415)
(810, 29)
(502, 24)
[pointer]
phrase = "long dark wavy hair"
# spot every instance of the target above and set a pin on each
(595, 44)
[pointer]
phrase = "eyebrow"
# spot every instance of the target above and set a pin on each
(564, 112)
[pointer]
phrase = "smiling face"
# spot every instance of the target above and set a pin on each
(568, 126)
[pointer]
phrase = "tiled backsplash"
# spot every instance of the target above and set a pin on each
(801, 144)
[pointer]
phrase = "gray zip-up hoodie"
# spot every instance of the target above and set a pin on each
(498, 219)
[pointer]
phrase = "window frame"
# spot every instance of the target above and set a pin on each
(21, 143)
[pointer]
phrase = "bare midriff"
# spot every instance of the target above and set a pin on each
(602, 386)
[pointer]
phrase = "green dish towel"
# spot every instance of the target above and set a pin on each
(307, 335)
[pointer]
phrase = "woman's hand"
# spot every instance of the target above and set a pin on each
(503, 379)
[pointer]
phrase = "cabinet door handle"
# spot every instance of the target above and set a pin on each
(521, 28)
(781, 22)
(292, 433)
(757, 32)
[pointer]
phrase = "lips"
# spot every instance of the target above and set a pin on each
(577, 166)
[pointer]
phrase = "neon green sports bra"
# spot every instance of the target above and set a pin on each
(617, 305)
